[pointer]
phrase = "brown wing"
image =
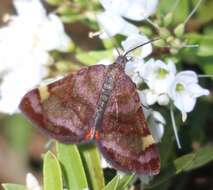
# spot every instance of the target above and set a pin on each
(124, 138)
(64, 109)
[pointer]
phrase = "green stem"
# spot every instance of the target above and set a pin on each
(193, 11)
(175, 5)
(205, 76)
(174, 126)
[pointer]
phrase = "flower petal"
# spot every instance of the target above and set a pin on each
(156, 125)
(134, 10)
(30, 9)
(184, 116)
(163, 99)
(151, 97)
(134, 68)
(32, 182)
(52, 36)
(197, 90)
(136, 40)
(188, 77)
(185, 102)
(141, 9)
(112, 24)
(158, 76)
(142, 96)
(118, 7)
(104, 163)
(158, 117)
(171, 67)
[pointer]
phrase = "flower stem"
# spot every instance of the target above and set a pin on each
(193, 11)
(191, 45)
(175, 5)
(205, 76)
(153, 24)
(174, 126)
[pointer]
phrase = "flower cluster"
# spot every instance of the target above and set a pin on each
(25, 43)
(165, 86)
(113, 19)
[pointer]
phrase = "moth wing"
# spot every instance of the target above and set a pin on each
(124, 138)
(64, 109)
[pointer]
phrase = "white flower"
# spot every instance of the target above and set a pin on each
(152, 97)
(185, 90)
(18, 82)
(112, 24)
(136, 40)
(155, 120)
(24, 50)
(131, 9)
(52, 36)
(104, 163)
(134, 68)
(112, 21)
(156, 124)
(158, 76)
(32, 182)
(45, 31)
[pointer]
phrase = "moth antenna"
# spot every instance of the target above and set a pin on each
(146, 107)
(114, 42)
(140, 46)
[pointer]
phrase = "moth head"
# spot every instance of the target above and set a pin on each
(122, 60)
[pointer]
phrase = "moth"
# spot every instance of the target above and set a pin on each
(101, 104)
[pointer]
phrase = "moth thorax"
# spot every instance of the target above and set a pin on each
(121, 60)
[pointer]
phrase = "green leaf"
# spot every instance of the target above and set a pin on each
(204, 13)
(18, 131)
(93, 57)
(202, 157)
(185, 163)
(119, 182)
(180, 12)
(52, 172)
(208, 67)
(72, 167)
(181, 163)
(113, 184)
(124, 181)
(205, 43)
(91, 160)
(9, 186)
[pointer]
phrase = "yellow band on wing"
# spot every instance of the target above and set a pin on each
(147, 141)
(43, 92)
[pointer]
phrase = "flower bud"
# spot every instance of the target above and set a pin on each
(164, 33)
(179, 30)
(168, 19)
(170, 39)
(71, 47)
(163, 100)
(159, 43)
